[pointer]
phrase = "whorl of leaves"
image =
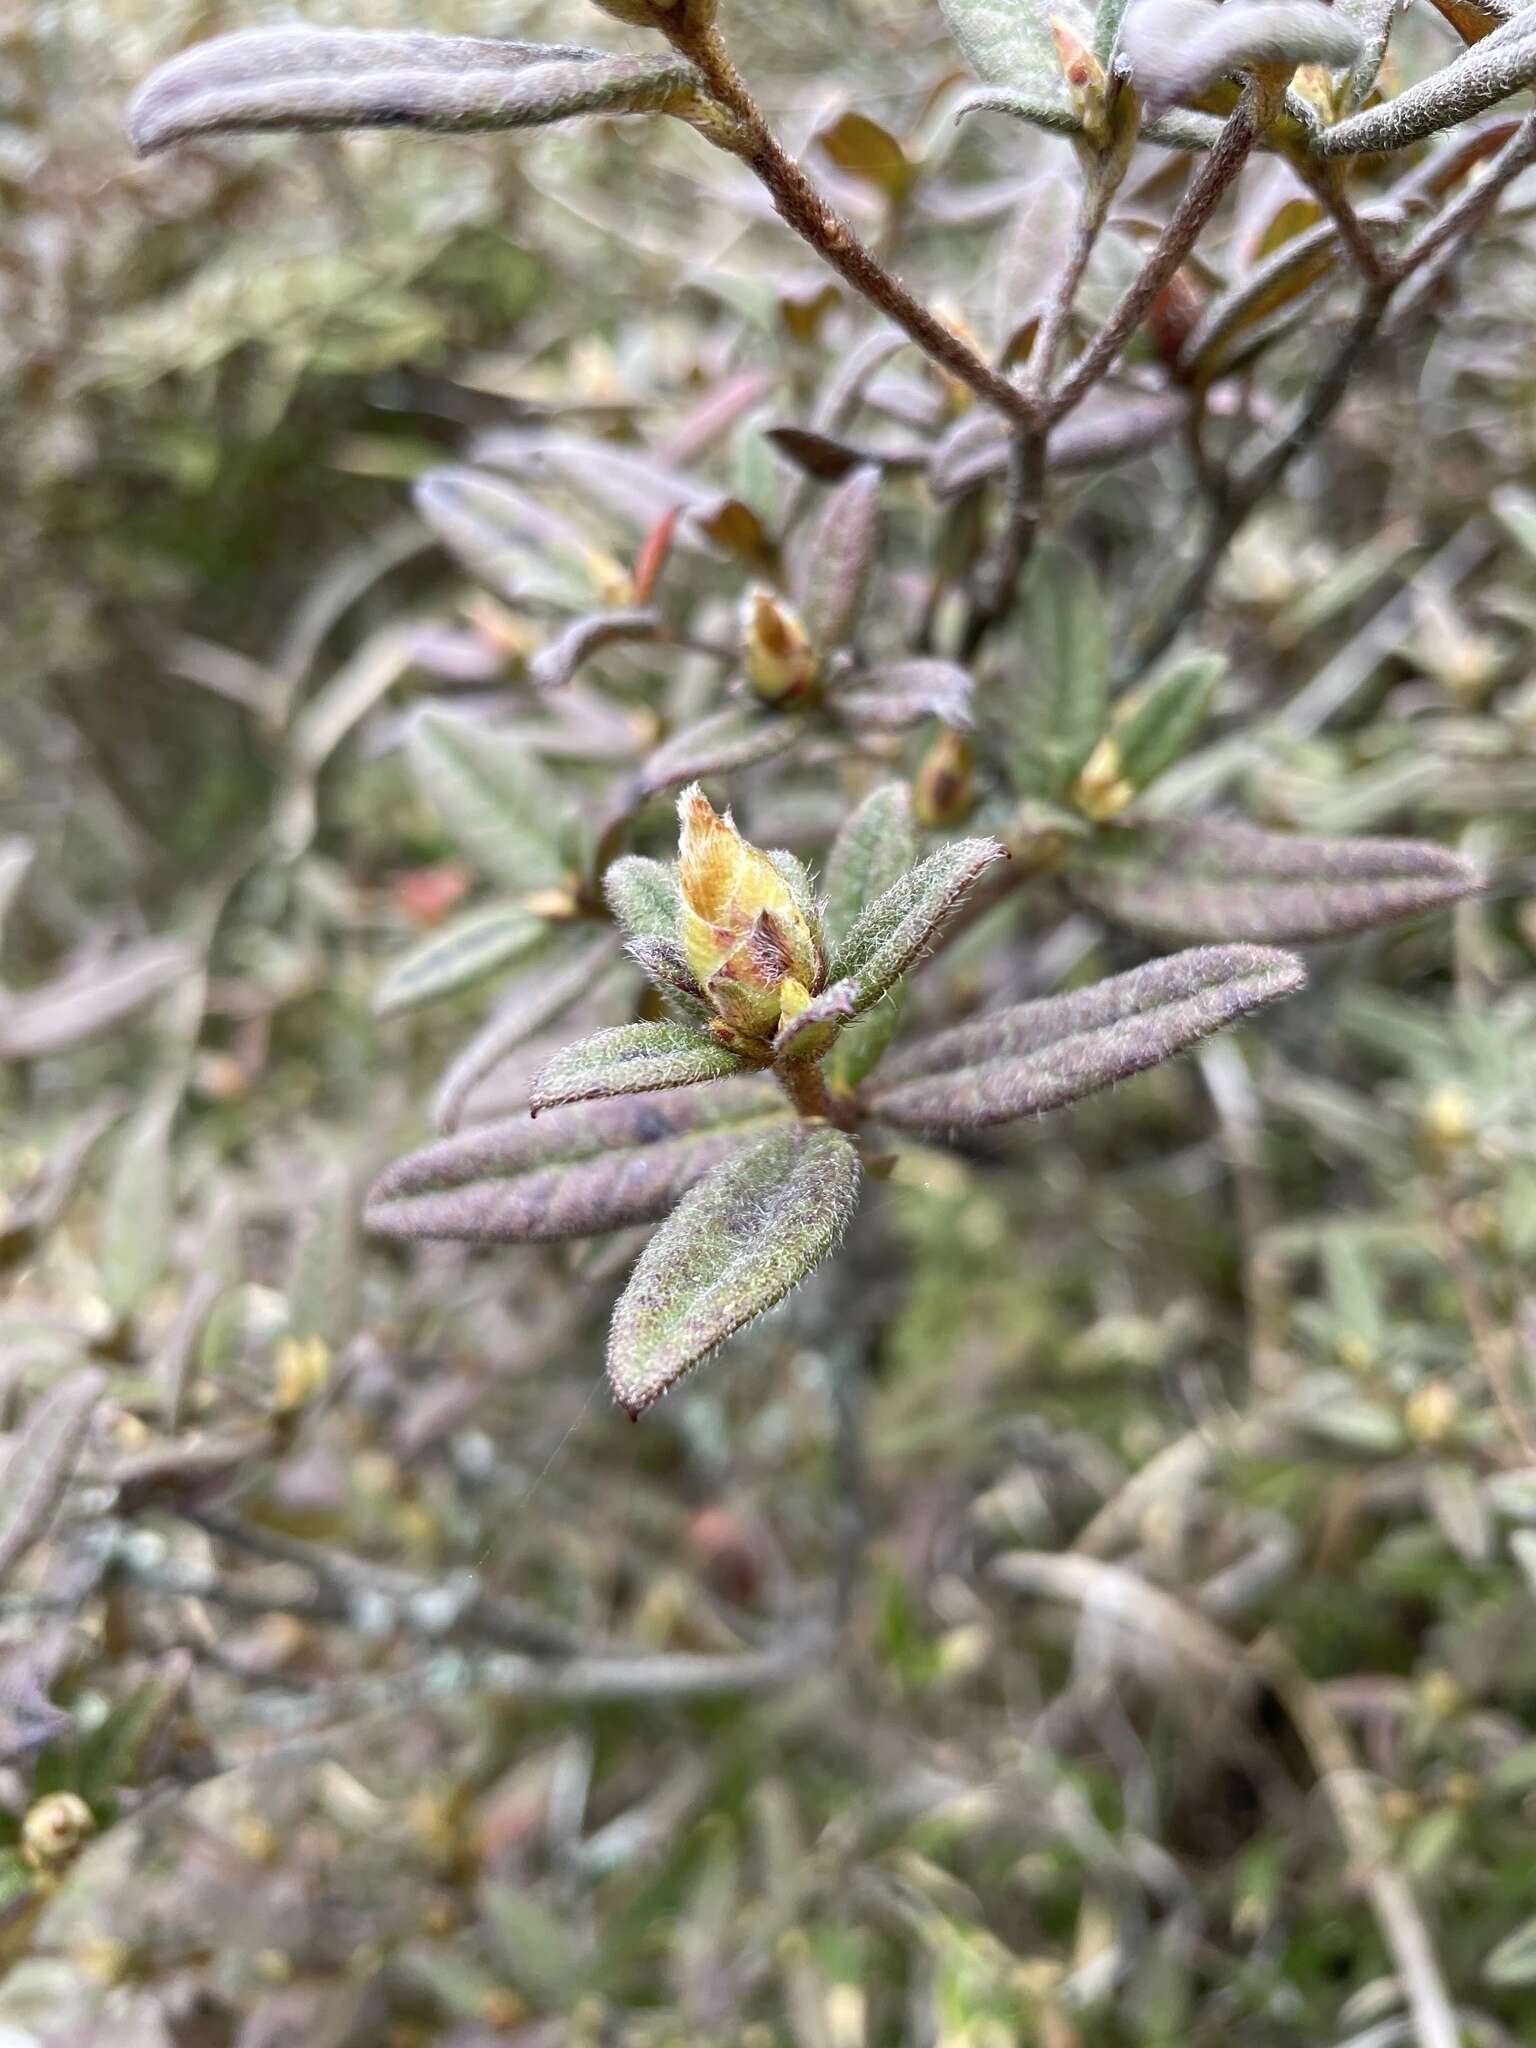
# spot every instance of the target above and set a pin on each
(734, 1247)
(1215, 879)
(1043, 1055)
(591, 1167)
(319, 79)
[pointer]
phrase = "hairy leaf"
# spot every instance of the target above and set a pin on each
(1292, 269)
(898, 694)
(496, 799)
(1058, 702)
(666, 965)
(41, 1460)
(735, 1246)
(323, 1279)
(1045, 1054)
(1224, 880)
(642, 894)
(840, 556)
(302, 78)
(555, 665)
(544, 992)
(1502, 63)
(1008, 42)
(1154, 726)
(1179, 47)
(509, 540)
(875, 848)
(1177, 128)
(89, 999)
(593, 1167)
(137, 1211)
(631, 1059)
(1106, 429)
(464, 951)
(717, 745)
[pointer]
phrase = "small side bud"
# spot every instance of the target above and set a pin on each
(1085, 79)
(54, 1832)
(1431, 1413)
(1101, 792)
(946, 781)
(781, 663)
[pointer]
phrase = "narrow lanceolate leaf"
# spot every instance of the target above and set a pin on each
(717, 745)
(737, 1245)
(508, 540)
(642, 894)
(1501, 64)
(1179, 47)
(665, 965)
(1043, 1055)
(465, 951)
(323, 1277)
(137, 1211)
(41, 1461)
(885, 939)
(555, 665)
(593, 1167)
(631, 1059)
(874, 849)
(542, 993)
(350, 78)
(898, 694)
(496, 799)
(1292, 269)
(1155, 726)
(89, 999)
(1221, 880)
(839, 558)
(1058, 697)
(1178, 128)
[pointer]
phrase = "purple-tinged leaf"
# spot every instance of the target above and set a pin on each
(41, 1461)
(594, 1167)
(898, 694)
(717, 745)
(496, 799)
(1043, 1055)
(88, 999)
(1109, 428)
(1226, 880)
(555, 665)
(743, 1239)
(839, 560)
(464, 951)
(545, 991)
(632, 1059)
(318, 79)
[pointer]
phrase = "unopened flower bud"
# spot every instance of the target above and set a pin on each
(946, 780)
(1101, 792)
(1431, 1413)
(54, 1832)
(1447, 1120)
(1085, 79)
(746, 938)
(781, 662)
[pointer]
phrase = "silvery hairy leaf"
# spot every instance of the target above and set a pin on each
(840, 555)
(643, 896)
(1108, 428)
(1009, 43)
(41, 1461)
(1222, 879)
(1043, 1055)
(1058, 690)
(543, 992)
(875, 848)
(507, 539)
(593, 1167)
(1179, 47)
(665, 964)
(631, 1059)
(885, 939)
(300, 78)
(496, 799)
(1500, 64)
(555, 665)
(466, 950)
(896, 694)
(1176, 128)
(717, 745)
(734, 1247)
(89, 999)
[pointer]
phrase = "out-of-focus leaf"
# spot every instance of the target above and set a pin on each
(541, 994)
(875, 848)
(1179, 47)
(507, 540)
(89, 999)
(1223, 880)
(839, 558)
(135, 1235)
(1057, 700)
(1008, 42)
(1154, 727)
(884, 940)
(322, 1289)
(16, 856)
(1293, 268)
(496, 800)
(865, 150)
(350, 78)
(717, 745)
(642, 894)
(1175, 128)
(465, 951)
(1502, 63)
(1045, 1054)
(1474, 19)
(897, 694)
(593, 1167)
(554, 666)
(631, 1059)
(738, 1243)
(537, 1947)
(732, 524)
(1106, 429)
(41, 1461)
(1513, 1961)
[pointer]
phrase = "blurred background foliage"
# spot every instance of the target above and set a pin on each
(1170, 1465)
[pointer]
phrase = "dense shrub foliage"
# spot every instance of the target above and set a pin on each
(603, 722)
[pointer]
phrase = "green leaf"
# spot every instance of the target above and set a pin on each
(496, 799)
(735, 1246)
(1513, 1961)
(595, 1166)
(890, 933)
(1154, 727)
(314, 79)
(717, 745)
(1215, 879)
(1043, 1055)
(323, 1280)
(874, 849)
(464, 951)
(41, 1459)
(631, 1059)
(547, 988)
(1008, 42)
(1059, 701)
(642, 894)
(136, 1218)
(840, 557)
